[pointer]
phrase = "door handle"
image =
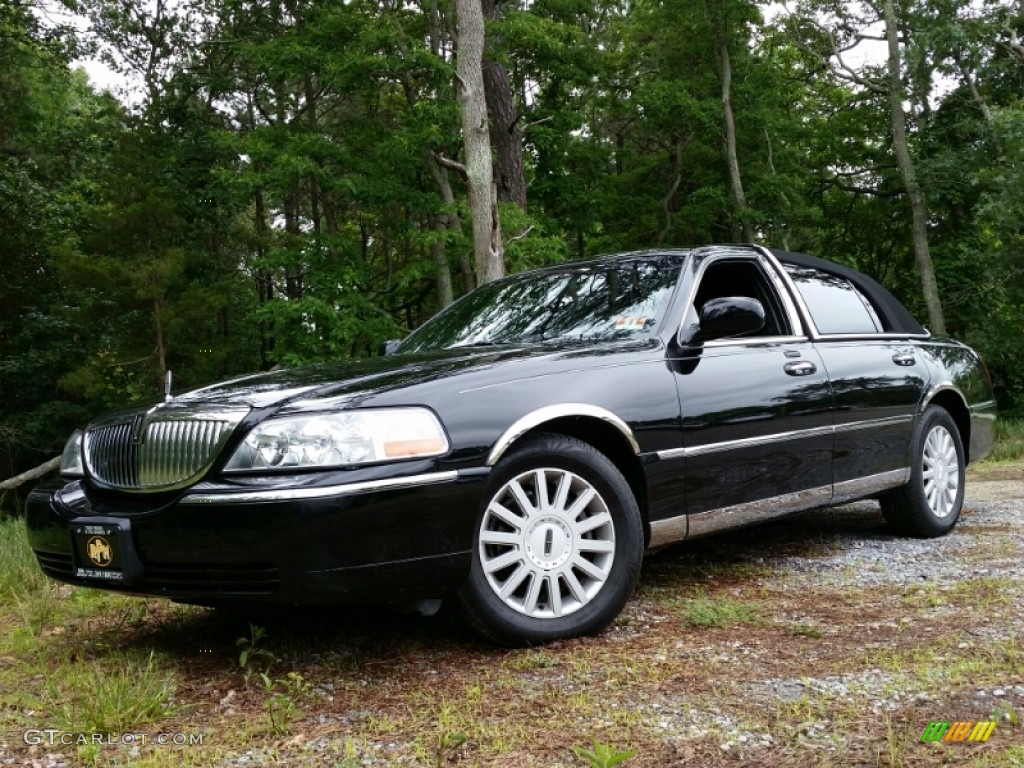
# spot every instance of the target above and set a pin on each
(904, 358)
(800, 368)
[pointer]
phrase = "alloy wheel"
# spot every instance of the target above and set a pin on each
(547, 543)
(941, 471)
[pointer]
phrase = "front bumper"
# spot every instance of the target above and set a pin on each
(368, 539)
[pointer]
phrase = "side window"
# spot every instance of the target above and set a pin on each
(836, 306)
(739, 277)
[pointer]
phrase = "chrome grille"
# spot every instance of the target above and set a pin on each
(160, 451)
(112, 456)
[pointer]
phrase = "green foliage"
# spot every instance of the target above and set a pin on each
(273, 196)
(105, 701)
(1009, 440)
(448, 747)
(603, 755)
(20, 578)
(253, 657)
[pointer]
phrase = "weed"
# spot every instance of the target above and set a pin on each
(603, 755)
(281, 709)
(252, 652)
(1004, 710)
(450, 744)
(896, 744)
(89, 754)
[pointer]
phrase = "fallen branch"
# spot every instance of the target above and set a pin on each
(32, 474)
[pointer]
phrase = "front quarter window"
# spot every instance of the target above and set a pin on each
(588, 302)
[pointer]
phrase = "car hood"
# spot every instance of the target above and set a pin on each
(360, 378)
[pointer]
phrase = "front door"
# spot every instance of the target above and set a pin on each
(756, 411)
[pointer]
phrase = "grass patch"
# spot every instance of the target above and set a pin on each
(98, 698)
(1009, 441)
(704, 612)
(20, 575)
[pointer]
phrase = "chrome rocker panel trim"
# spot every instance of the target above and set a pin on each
(704, 523)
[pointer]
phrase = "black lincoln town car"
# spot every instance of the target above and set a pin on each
(524, 447)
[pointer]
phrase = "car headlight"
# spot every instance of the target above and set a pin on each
(336, 439)
(71, 458)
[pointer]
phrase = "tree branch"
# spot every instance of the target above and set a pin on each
(521, 235)
(451, 165)
(848, 73)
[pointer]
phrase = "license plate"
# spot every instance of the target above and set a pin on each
(103, 551)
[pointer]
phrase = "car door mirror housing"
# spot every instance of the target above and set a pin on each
(729, 316)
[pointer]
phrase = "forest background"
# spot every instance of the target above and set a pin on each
(288, 182)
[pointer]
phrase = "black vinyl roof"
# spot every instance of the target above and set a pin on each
(893, 314)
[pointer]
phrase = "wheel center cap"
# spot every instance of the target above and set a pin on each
(548, 542)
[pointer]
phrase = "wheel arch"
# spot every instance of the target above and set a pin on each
(952, 401)
(595, 426)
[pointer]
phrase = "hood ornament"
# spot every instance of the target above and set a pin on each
(167, 387)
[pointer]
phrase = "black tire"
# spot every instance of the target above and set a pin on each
(550, 593)
(929, 505)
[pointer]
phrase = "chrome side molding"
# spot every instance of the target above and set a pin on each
(738, 515)
(345, 489)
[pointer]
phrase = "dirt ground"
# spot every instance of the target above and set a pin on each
(817, 640)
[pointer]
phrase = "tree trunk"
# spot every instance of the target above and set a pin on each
(440, 223)
(487, 248)
(264, 281)
(901, 149)
(741, 231)
(161, 346)
(505, 130)
(314, 130)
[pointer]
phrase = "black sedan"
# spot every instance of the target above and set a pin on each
(524, 447)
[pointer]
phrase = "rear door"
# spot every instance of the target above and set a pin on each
(877, 382)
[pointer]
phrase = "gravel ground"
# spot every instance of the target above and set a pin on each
(720, 688)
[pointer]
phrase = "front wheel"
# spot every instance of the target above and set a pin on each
(929, 505)
(558, 544)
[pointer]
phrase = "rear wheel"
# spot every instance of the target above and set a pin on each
(558, 544)
(929, 505)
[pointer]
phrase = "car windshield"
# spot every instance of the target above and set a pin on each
(592, 302)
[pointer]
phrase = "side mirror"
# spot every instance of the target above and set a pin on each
(389, 346)
(730, 316)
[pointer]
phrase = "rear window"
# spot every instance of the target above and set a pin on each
(835, 304)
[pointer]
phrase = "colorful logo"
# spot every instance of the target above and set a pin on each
(958, 730)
